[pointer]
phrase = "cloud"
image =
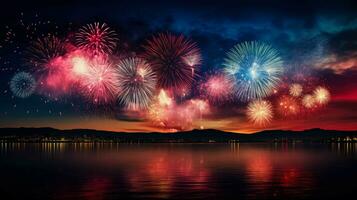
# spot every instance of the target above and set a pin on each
(338, 64)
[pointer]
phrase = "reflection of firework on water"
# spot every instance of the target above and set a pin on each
(308, 101)
(256, 69)
(260, 112)
(321, 95)
(295, 90)
(100, 83)
(174, 60)
(217, 88)
(136, 83)
(97, 38)
(22, 84)
(43, 50)
(288, 105)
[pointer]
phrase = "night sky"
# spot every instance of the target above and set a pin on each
(317, 41)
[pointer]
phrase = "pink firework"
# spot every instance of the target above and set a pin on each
(174, 59)
(56, 79)
(166, 114)
(99, 84)
(97, 38)
(217, 88)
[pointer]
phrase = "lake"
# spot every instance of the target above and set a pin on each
(177, 171)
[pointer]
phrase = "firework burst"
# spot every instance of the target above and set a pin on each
(22, 84)
(322, 95)
(174, 59)
(255, 68)
(136, 83)
(43, 50)
(100, 83)
(308, 101)
(217, 88)
(97, 38)
(288, 106)
(295, 90)
(260, 112)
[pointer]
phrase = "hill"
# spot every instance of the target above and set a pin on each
(208, 135)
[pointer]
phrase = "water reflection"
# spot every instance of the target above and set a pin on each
(176, 171)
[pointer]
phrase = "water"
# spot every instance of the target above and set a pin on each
(177, 171)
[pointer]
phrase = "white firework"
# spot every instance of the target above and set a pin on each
(136, 83)
(295, 90)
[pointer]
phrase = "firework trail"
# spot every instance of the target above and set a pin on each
(322, 95)
(43, 50)
(256, 69)
(22, 84)
(295, 90)
(96, 38)
(174, 59)
(260, 112)
(136, 83)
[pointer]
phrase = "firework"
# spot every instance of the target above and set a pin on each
(165, 113)
(321, 95)
(174, 60)
(255, 68)
(43, 50)
(100, 83)
(217, 88)
(260, 112)
(97, 38)
(136, 83)
(79, 66)
(295, 90)
(160, 110)
(308, 101)
(288, 105)
(22, 84)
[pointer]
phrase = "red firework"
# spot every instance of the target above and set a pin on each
(99, 84)
(43, 51)
(217, 88)
(96, 38)
(288, 106)
(174, 60)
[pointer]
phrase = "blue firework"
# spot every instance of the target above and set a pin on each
(22, 84)
(255, 68)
